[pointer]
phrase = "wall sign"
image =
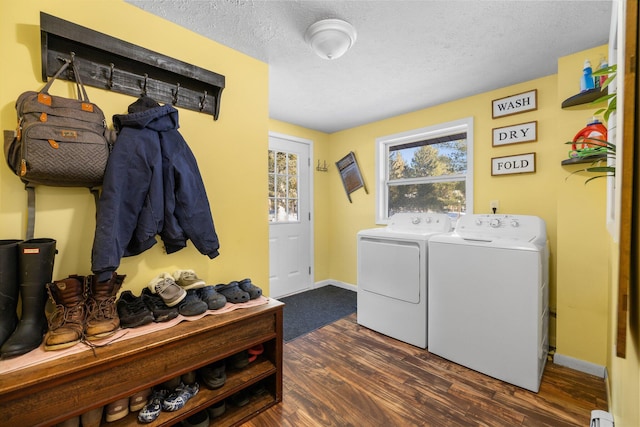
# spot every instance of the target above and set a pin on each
(521, 163)
(523, 132)
(515, 104)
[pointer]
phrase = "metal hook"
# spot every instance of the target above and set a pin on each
(70, 70)
(110, 80)
(144, 84)
(175, 94)
(203, 101)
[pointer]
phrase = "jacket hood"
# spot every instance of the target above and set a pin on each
(146, 113)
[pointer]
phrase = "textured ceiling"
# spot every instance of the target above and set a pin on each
(408, 55)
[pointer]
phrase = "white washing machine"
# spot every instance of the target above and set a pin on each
(488, 297)
(392, 275)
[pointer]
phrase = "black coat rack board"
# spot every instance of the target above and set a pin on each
(109, 63)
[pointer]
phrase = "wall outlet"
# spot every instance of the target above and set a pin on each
(494, 205)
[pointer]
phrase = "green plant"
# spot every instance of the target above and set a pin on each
(605, 150)
(611, 98)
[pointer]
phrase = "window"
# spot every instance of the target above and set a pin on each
(426, 170)
(283, 186)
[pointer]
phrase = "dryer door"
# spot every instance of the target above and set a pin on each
(391, 268)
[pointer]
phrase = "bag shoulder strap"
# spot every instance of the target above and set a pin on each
(31, 206)
(82, 92)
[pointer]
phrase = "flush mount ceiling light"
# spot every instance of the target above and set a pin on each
(330, 38)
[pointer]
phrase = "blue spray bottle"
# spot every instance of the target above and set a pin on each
(586, 82)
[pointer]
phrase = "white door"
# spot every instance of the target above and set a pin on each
(290, 240)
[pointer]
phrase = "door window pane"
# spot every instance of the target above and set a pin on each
(283, 186)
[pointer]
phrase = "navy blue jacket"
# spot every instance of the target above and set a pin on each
(152, 186)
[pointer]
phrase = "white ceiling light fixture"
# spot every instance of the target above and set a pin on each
(330, 38)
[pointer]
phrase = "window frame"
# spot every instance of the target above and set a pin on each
(382, 164)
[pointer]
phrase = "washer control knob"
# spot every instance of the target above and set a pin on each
(415, 220)
(478, 221)
(495, 223)
(515, 223)
(427, 220)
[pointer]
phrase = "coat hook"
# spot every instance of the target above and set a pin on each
(110, 80)
(322, 168)
(175, 94)
(144, 84)
(203, 101)
(70, 72)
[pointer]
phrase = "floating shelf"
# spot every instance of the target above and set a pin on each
(585, 97)
(579, 160)
(112, 64)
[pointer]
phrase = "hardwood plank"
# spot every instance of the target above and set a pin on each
(346, 375)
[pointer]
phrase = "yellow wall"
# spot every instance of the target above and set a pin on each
(582, 238)
(231, 151)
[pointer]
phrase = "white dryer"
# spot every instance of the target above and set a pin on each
(488, 297)
(392, 275)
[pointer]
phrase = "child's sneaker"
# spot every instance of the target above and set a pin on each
(180, 397)
(166, 287)
(187, 279)
(152, 409)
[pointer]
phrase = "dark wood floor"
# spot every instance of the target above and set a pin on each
(347, 375)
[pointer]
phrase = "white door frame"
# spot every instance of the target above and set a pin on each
(310, 195)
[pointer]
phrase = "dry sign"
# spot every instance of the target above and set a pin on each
(523, 132)
(522, 163)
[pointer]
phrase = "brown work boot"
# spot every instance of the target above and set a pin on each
(102, 317)
(66, 323)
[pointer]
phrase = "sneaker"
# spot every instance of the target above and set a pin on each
(217, 409)
(213, 298)
(187, 279)
(167, 288)
(161, 311)
(239, 360)
(132, 311)
(172, 383)
(138, 400)
(192, 305)
(189, 377)
(240, 398)
(199, 419)
(117, 410)
(214, 375)
(152, 409)
(92, 418)
(180, 397)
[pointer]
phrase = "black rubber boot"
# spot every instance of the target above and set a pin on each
(8, 288)
(35, 261)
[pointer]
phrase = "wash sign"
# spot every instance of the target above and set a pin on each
(515, 104)
(523, 132)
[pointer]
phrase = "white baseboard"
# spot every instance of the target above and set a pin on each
(335, 283)
(580, 365)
